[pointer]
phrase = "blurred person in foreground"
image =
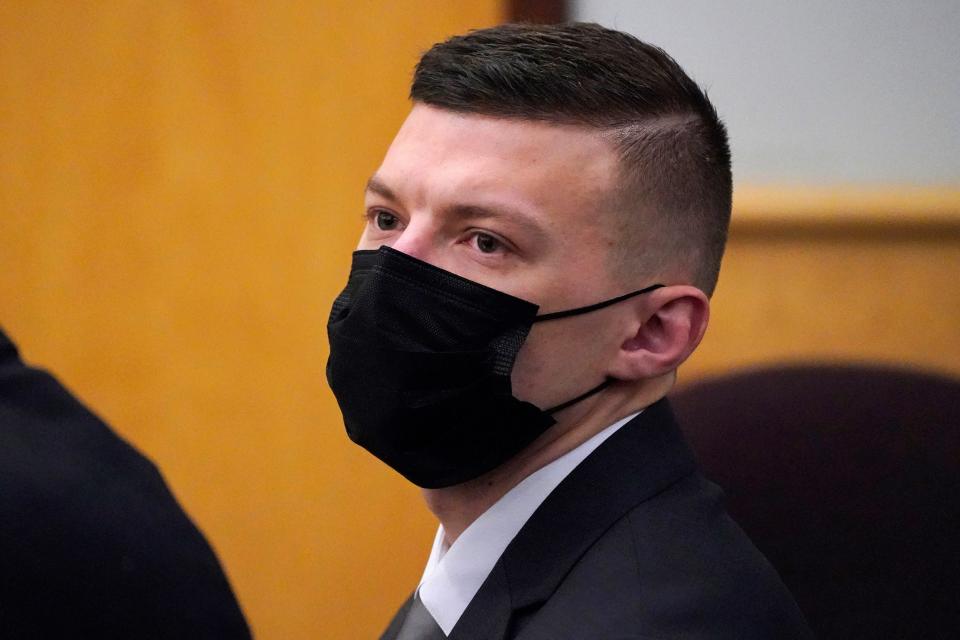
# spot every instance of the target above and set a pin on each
(92, 542)
(542, 240)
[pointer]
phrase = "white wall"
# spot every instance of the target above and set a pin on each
(817, 91)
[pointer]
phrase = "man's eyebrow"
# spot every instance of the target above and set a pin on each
(508, 215)
(377, 186)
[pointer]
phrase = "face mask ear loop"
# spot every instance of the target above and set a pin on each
(556, 315)
(583, 396)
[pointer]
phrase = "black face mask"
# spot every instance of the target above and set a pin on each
(420, 362)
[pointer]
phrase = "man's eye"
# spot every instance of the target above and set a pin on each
(386, 221)
(487, 243)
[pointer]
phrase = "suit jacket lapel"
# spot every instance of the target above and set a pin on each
(397, 623)
(642, 459)
(487, 617)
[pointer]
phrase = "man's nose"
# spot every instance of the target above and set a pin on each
(418, 240)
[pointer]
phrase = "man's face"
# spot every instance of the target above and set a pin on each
(522, 207)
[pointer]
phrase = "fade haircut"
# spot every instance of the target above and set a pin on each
(675, 185)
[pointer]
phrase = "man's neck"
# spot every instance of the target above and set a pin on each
(458, 506)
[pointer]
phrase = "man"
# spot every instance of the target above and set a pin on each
(92, 543)
(542, 239)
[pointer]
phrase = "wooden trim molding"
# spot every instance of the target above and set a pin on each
(850, 208)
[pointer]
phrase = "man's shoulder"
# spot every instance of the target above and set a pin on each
(685, 535)
(52, 447)
(675, 565)
(687, 527)
(92, 541)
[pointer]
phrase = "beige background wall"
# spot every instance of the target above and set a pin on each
(817, 92)
(179, 194)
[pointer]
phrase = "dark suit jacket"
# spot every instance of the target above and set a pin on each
(633, 544)
(92, 543)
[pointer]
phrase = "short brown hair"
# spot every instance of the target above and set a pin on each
(675, 158)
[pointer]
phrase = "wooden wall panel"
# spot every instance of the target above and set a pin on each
(840, 275)
(180, 191)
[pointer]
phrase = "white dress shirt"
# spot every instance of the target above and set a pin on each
(454, 574)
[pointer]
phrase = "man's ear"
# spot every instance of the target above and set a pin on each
(675, 320)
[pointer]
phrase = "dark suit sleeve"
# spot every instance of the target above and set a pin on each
(92, 543)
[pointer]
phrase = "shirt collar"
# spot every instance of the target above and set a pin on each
(453, 575)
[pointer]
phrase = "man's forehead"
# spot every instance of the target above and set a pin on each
(489, 151)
